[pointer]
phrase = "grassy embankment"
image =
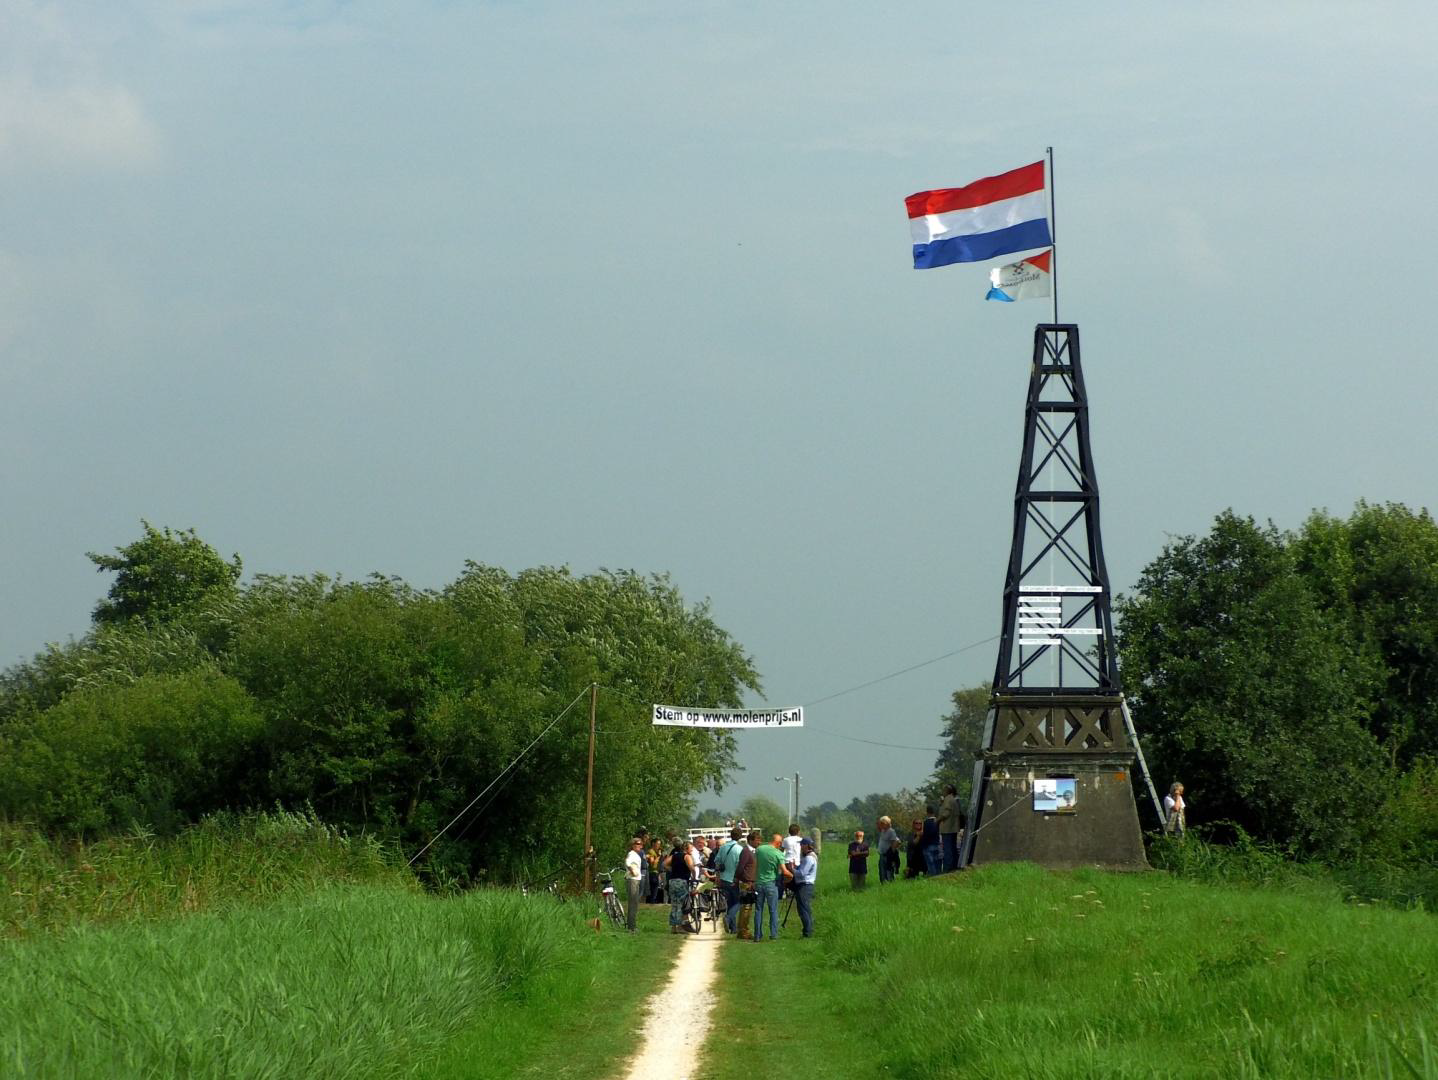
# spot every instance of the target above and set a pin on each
(1015, 971)
(274, 970)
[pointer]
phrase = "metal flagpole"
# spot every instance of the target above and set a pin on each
(1056, 658)
(1053, 236)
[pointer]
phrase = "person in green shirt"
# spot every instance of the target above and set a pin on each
(770, 871)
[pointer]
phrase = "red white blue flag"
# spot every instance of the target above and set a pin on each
(997, 215)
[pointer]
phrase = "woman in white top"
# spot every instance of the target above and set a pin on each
(1173, 808)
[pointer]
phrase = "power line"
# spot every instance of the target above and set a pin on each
(903, 671)
(872, 742)
(864, 686)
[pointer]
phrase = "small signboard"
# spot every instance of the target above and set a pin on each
(680, 716)
(1055, 795)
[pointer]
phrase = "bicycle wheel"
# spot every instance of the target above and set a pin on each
(716, 911)
(695, 914)
(614, 908)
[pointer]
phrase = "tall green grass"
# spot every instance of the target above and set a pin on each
(1010, 970)
(223, 861)
(357, 981)
(1245, 861)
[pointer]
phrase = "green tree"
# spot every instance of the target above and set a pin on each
(387, 708)
(1248, 691)
(764, 814)
(962, 732)
(901, 807)
(1378, 572)
(816, 815)
(157, 752)
(394, 708)
(161, 575)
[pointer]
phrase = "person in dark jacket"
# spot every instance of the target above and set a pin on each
(858, 861)
(744, 877)
(914, 851)
(929, 841)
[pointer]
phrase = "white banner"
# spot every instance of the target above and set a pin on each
(678, 716)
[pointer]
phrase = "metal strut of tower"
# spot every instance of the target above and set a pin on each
(1067, 622)
(1057, 702)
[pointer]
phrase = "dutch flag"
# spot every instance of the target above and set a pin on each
(997, 215)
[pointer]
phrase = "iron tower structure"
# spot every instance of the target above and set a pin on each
(1057, 721)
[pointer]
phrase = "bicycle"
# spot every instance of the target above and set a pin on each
(609, 902)
(705, 903)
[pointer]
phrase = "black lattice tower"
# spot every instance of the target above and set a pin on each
(1056, 712)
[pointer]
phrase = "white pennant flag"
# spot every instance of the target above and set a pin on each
(1027, 279)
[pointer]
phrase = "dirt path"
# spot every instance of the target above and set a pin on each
(677, 1020)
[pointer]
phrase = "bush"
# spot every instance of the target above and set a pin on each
(157, 753)
(1246, 862)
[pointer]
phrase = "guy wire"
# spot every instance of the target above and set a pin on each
(500, 777)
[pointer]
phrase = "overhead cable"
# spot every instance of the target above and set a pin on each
(864, 686)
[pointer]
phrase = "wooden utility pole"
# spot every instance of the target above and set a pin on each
(589, 794)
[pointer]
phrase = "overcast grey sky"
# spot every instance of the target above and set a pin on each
(381, 287)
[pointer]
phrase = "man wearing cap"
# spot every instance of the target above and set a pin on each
(726, 862)
(805, 874)
(634, 870)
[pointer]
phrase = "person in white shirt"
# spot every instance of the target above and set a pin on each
(1173, 810)
(791, 844)
(805, 874)
(634, 870)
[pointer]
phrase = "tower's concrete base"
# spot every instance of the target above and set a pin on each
(1053, 737)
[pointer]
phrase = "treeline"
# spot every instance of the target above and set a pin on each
(1290, 680)
(382, 707)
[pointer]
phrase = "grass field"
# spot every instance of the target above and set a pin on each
(1015, 971)
(1002, 971)
(351, 981)
(225, 860)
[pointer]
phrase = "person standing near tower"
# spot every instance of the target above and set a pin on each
(933, 849)
(1173, 808)
(951, 821)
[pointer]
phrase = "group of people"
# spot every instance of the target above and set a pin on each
(931, 849)
(747, 872)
